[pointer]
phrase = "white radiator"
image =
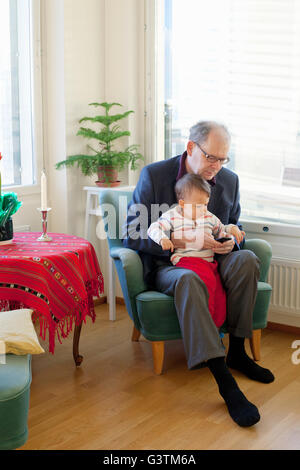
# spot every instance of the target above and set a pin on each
(284, 277)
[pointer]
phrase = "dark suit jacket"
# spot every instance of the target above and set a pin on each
(156, 186)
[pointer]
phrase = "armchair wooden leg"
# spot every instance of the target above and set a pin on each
(135, 334)
(255, 344)
(158, 352)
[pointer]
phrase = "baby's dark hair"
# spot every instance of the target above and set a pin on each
(188, 182)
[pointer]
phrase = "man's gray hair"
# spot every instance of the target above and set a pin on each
(199, 132)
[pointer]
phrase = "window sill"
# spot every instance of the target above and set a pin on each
(270, 228)
(27, 190)
(266, 203)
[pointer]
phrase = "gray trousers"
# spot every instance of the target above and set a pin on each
(239, 271)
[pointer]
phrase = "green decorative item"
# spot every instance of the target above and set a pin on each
(105, 161)
(9, 205)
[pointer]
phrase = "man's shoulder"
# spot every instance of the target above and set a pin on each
(164, 167)
(226, 176)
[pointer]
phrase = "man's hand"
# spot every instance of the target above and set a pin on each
(210, 243)
(217, 247)
(166, 244)
(239, 234)
(224, 248)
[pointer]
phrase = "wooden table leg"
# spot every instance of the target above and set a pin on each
(77, 357)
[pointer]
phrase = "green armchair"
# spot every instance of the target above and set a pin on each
(153, 313)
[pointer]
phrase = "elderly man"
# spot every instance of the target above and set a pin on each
(206, 153)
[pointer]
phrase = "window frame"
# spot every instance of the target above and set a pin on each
(37, 104)
(154, 77)
(154, 99)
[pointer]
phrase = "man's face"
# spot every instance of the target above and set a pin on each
(217, 144)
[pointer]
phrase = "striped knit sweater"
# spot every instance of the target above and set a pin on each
(174, 221)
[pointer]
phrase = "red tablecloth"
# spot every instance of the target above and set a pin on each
(56, 279)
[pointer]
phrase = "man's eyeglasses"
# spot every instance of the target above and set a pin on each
(211, 158)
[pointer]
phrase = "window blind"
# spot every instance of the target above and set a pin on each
(238, 62)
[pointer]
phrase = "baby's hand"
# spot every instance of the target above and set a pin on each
(167, 244)
(239, 234)
(223, 235)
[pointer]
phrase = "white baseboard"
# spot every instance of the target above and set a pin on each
(284, 318)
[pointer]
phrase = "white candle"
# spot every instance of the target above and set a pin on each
(43, 192)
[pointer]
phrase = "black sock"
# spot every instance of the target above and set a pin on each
(240, 409)
(238, 359)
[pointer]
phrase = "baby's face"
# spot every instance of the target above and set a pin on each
(194, 204)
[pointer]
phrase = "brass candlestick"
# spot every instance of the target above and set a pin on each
(44, 237)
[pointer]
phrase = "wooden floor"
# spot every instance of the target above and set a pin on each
(114, 401)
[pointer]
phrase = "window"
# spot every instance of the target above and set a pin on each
(16, 97)
(238, 62)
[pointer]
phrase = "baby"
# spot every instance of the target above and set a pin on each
(191, 218)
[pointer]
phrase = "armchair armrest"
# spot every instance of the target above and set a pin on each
(133, 267)
(263, 251)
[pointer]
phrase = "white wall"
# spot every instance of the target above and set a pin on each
(84, 81)
(125, 66)
(53, 61)
(93, 50)
(84, 49)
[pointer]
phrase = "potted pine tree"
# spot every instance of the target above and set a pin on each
(105, 161)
